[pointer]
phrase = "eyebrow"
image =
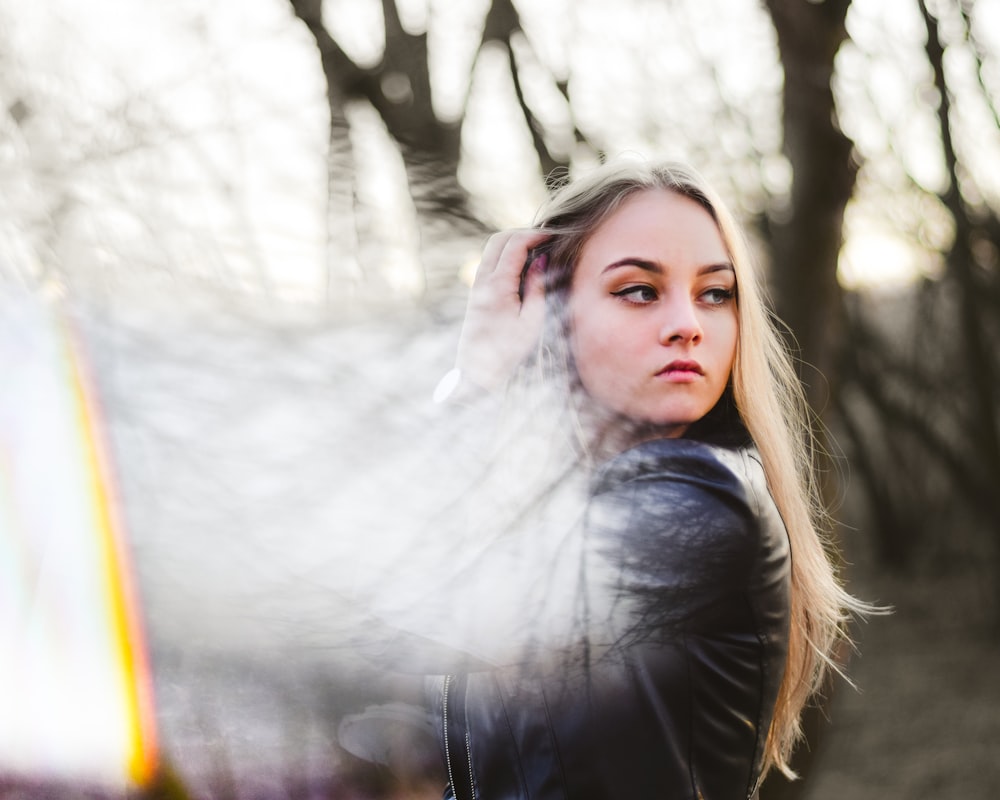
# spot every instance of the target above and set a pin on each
(657, 268)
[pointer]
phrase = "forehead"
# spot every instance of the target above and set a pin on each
(660, 224)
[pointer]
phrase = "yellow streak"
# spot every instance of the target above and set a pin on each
(126, 627)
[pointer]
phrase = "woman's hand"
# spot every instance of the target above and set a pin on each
(503, 320)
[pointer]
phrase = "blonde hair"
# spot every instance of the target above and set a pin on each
(771, 404)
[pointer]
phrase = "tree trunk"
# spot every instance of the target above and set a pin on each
(806, 244)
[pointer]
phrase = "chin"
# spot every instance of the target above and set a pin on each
(657, 426)
(670, 419)
(644, 420)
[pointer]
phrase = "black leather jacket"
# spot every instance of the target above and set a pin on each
(671, 691)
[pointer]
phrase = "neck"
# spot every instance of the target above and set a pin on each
(605, 433)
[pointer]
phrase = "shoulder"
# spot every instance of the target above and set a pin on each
(682, 502)
(724, 472)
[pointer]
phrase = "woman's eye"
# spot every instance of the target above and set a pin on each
(639, 295)
(718, 296)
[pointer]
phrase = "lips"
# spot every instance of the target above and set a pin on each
(681, 367)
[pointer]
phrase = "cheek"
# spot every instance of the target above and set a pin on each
(734, 340)
(722, 333)
(593, 349)
(727, 355)
(586, 352)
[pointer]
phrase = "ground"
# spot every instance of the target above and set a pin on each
(924, 721)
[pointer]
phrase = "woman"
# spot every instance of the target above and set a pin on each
(709, 608)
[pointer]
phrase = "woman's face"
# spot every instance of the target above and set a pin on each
(652, 309)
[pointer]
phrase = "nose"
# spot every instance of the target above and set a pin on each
(680, 324)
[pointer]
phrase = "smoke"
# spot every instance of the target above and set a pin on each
(311, 533)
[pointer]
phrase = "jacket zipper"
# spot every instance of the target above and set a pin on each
(468, 751)
(447, 745)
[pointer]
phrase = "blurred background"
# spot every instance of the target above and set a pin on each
(261, 217)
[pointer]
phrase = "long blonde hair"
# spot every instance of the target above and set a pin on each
(771, 404)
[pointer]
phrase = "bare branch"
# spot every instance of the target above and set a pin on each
(503, 22)
(981, 356)
(548, 162)
(347, 76)
(979, 53)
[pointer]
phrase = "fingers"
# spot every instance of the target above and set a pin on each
(506, 308)
(505, 255)
(533, 295)
(492, 253)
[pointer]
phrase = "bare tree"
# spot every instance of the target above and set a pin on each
(399, 88)
(921, 404)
